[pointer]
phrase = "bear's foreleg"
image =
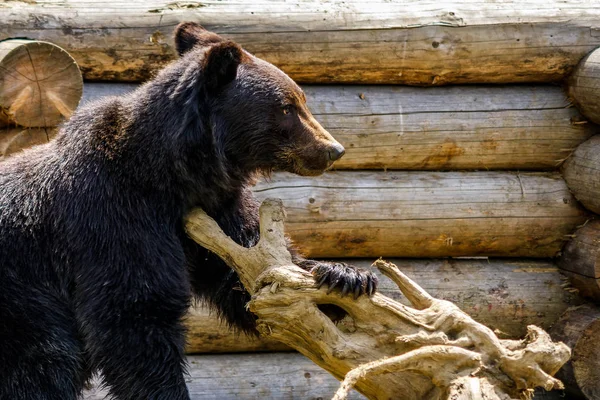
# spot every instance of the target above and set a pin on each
(131, 302)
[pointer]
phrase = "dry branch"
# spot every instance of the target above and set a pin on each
(443, 346)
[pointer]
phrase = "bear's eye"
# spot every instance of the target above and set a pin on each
(287, 109)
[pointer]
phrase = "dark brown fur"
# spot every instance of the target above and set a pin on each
(96, 272)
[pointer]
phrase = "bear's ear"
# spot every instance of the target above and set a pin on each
(221, 63)
(190, 34)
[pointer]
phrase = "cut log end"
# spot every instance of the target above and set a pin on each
(580, 260)
(40, 83)
(581, 173)
(584, 86)
(579, 328)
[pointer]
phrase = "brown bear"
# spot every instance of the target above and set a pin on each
(96, 272)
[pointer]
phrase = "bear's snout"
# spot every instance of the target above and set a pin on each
(335, 152)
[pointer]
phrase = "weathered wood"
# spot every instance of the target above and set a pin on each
(430, 349)
(579, 328)
(505, 295)
(401, 42)
(276, 376)
(582, 173)
(17, 139)
(280, 376)
(580, 260)
(40, 84)
(584, 86)
(426, 214)
(469, 127)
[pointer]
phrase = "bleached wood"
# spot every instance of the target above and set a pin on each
(459, 127)
(40, 84)
(353, 41)
(449, 354)
(426, 214)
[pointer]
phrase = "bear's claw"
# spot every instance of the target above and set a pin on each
(345, 278)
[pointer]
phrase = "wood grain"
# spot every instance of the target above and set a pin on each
(283, 376)
(582, 173)
(426, 214)
(579, 328)
(505, 295)
(447, 128)
(40, 84)
(584, 86)
(401, 42)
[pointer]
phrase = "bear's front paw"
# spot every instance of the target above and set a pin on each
(345, 278)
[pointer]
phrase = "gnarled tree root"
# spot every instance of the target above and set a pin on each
(384, 349)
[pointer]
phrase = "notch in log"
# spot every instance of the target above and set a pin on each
(40, 83)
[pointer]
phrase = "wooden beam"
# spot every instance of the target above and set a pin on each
(460, 127)
(405, 42)
(426, 214)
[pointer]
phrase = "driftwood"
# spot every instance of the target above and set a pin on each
(446, 128)
(503, 294)
(426, 214)
(431, 350)
(581, 173)
(40, 84)
(584, 86)
(580, 260)
(579, 328)
(353, 41)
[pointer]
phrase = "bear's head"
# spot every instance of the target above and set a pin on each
(257, 114)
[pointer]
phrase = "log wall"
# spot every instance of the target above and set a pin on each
(426, 214)
(404, 42)
(461, 127)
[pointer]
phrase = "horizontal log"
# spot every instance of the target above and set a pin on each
(283, 376)
(278, 376)
(584, 86)
(582, 173)
(426, 214)
(208, 334)
(13, 140)
(506, 295)
(40, 84)
(580, 260)
(406, 42)
(579, 328)
(474, 127)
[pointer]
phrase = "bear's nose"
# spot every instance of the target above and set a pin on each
(336, 152)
